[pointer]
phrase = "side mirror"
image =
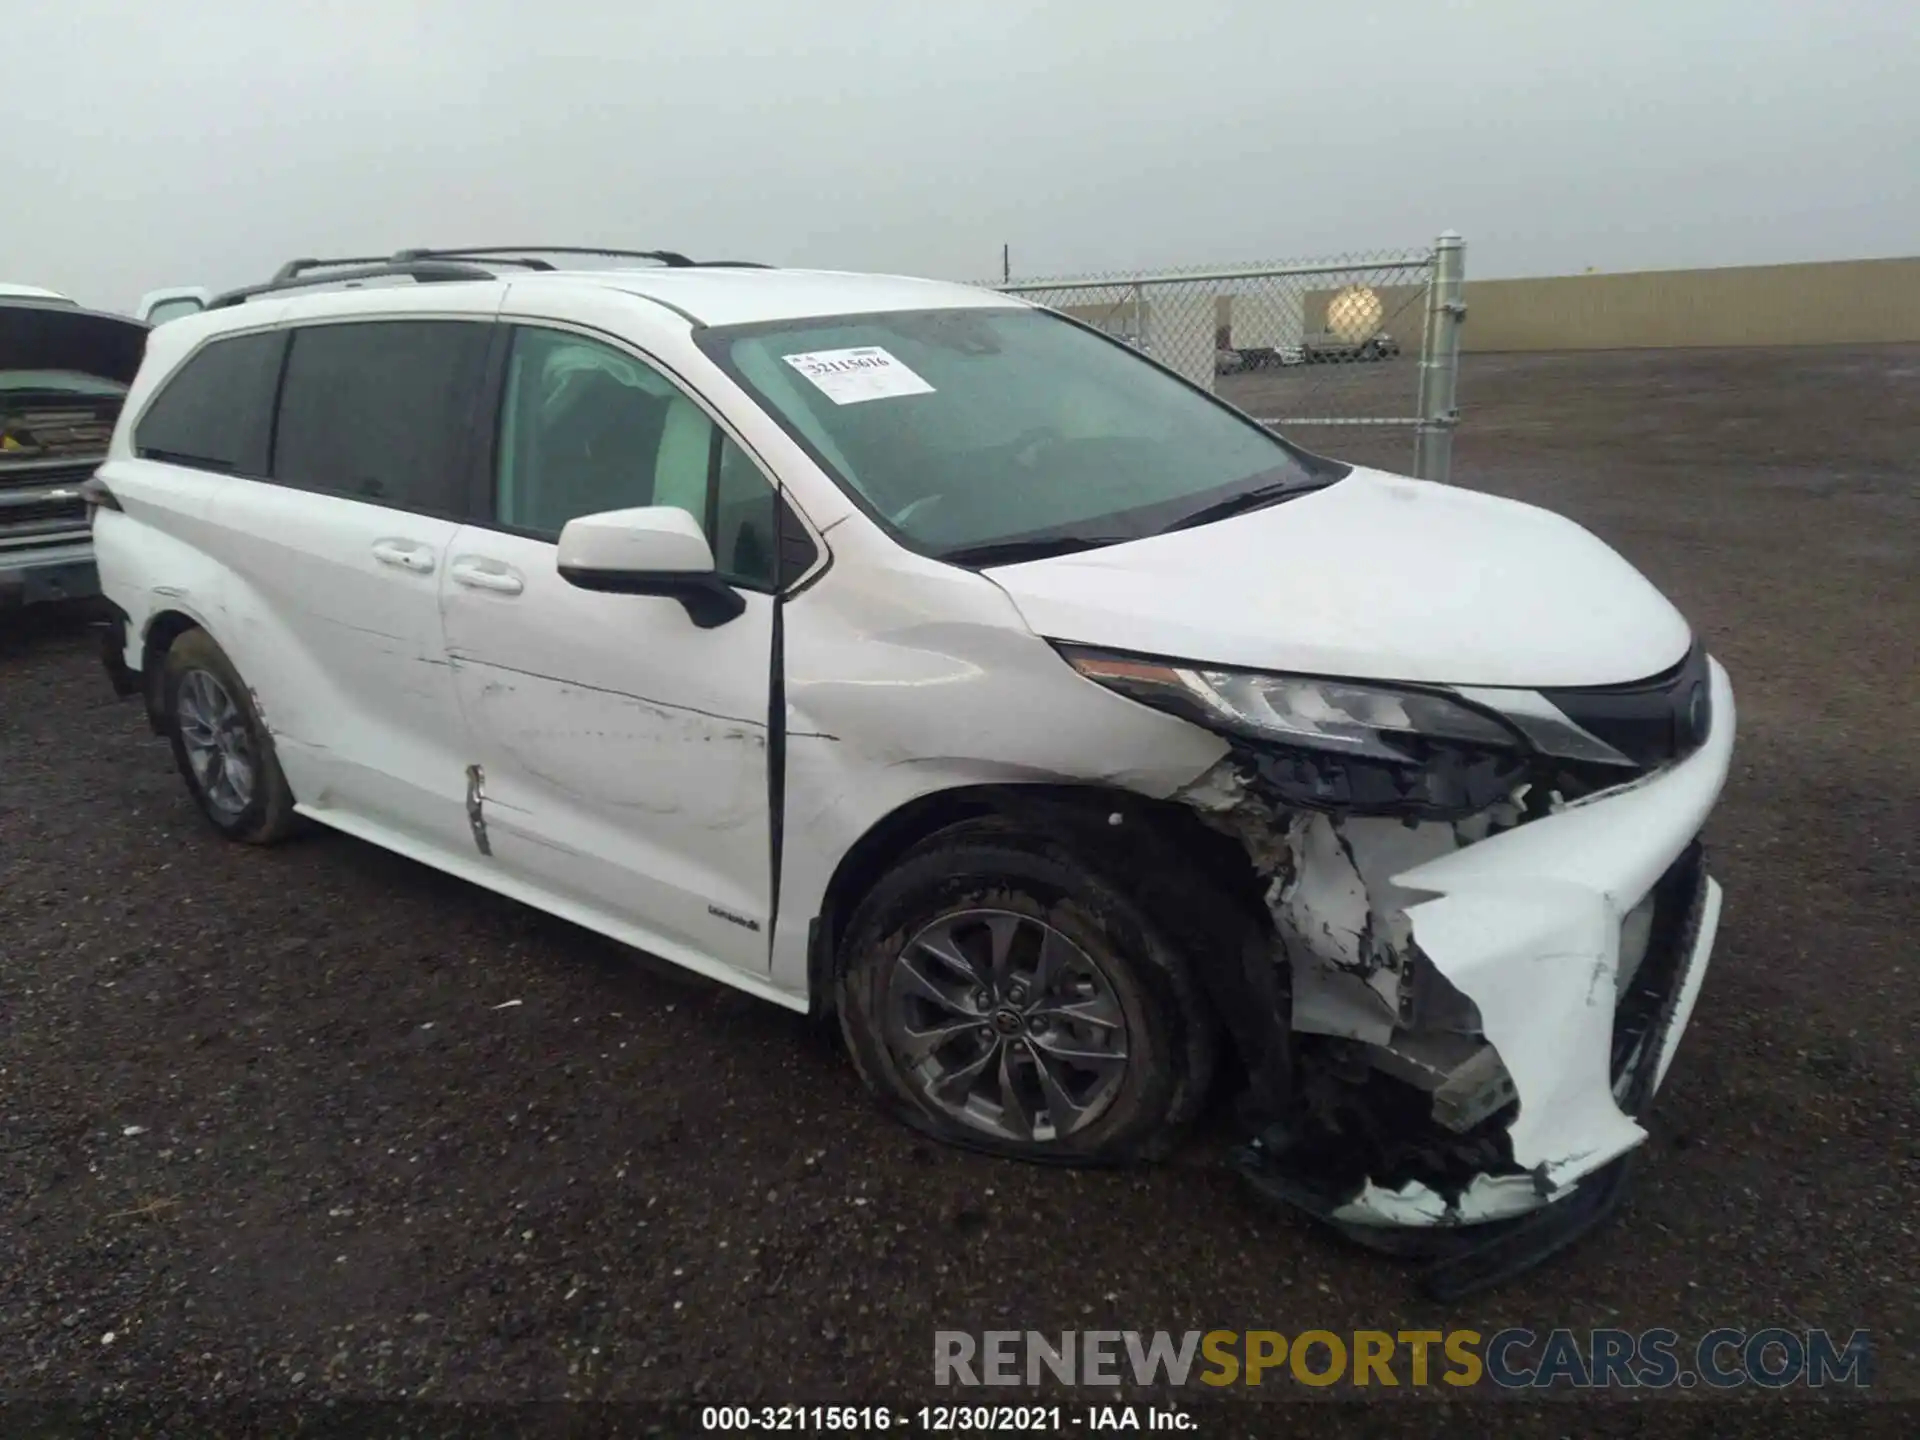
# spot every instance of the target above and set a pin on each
(652, 550)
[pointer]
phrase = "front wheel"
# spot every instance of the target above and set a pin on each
(999, 994)
(222, 749)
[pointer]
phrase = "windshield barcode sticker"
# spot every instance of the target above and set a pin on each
(866, 372)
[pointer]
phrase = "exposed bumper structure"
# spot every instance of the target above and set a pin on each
(1528, 926)
(1525, 989)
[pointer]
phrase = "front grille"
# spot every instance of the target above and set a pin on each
(40, 501)
(1653, 722)
(29, 511)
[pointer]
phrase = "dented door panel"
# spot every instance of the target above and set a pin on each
(343, 651)
(621, 749)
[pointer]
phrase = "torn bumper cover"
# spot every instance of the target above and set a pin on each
(1480, 1015)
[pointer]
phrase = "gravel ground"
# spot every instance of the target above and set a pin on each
(317, 1121)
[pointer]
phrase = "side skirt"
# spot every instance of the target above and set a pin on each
(475, 869)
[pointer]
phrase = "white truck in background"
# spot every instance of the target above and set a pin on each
(64, 371)
(156, 307)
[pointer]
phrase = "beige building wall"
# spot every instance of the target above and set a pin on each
(1844, 302)
(1847, 302)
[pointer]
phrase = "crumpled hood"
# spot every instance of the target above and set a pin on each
(48, 335)
(1374, 577)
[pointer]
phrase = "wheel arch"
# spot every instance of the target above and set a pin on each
(163, 628)
(1196, 882)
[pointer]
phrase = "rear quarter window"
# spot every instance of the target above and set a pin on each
(213, 414)
(381, 411)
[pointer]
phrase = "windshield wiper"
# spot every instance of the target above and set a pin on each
(1012, 552)
(1258, 498)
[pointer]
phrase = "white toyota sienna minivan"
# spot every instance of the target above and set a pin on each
(904, 651)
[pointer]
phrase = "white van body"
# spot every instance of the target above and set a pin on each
(1431, 765)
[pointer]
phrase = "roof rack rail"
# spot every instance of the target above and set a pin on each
(672, 258)
(482, 257)
(421, 271)
(299, 267)
(465, 263)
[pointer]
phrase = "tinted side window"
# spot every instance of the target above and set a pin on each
(586, 428)
(213, 414)
(380, 411)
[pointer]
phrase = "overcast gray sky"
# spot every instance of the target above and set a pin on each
(156, 142)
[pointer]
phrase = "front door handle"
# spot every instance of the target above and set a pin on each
(406, 554)
(478, 574)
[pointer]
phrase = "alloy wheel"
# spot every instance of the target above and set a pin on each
(218, 742)
(1006, 1025)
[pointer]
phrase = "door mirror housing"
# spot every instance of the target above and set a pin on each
(651, 550)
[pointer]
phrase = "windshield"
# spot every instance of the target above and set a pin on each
(983, 430)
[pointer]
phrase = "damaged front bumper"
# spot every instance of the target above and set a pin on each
(1480, 1016)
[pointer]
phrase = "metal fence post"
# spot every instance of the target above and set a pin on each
(1440, 361)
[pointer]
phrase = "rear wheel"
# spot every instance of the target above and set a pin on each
(222, 749)
(998, 993)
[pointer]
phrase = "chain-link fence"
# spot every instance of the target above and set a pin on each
(1368, 343)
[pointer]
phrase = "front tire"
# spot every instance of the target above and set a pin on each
(1000, 994)
(222, 749)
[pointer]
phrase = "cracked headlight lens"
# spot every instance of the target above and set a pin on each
(1376, 722)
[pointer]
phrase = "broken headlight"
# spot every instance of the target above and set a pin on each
(1334, 744)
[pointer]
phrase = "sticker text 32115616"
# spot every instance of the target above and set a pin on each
(866, 372)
